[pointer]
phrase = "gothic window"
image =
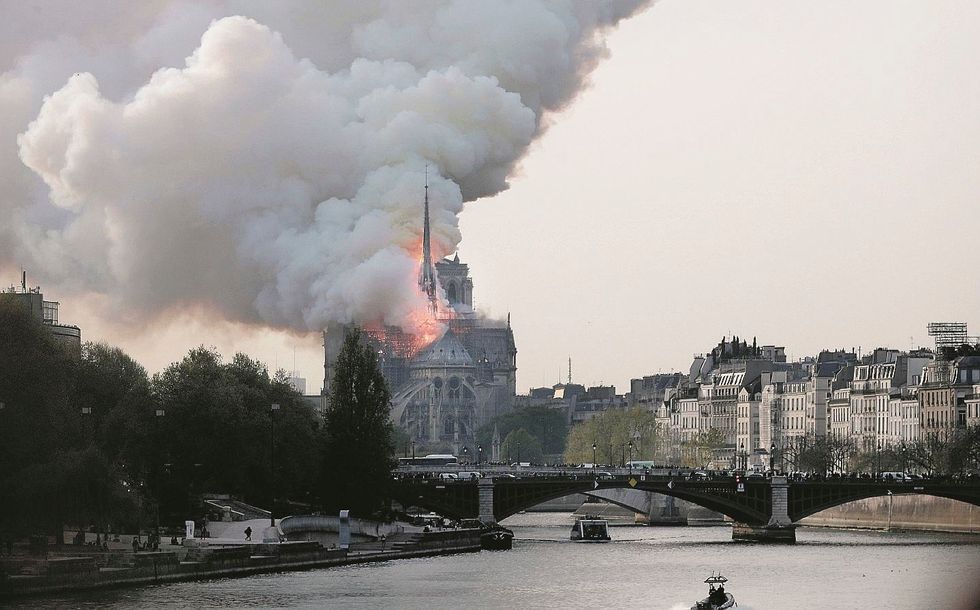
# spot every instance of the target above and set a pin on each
(448, 426)
(451, 292)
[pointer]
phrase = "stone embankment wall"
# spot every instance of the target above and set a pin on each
(81, 573)
(908, 512)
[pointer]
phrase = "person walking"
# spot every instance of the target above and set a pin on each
(248, 533)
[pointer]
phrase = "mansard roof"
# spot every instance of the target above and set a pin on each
(968, 362)
(843, 377)
(828, 369)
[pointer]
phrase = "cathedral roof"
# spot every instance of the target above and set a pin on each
(446, 351)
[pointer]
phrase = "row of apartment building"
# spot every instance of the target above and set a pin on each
(756, 400)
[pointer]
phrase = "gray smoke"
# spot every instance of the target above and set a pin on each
(264, 161)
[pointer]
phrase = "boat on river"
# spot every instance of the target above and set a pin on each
(590, 528)
(494, 537)
(718, 598)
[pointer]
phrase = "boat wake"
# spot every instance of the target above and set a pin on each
(683, 606)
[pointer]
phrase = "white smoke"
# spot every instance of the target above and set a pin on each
(265, 160)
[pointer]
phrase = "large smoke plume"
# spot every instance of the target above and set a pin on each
(265, 160)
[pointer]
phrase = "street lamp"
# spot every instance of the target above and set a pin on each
(631, 458)
(466, 455)
(594, 447)
(518, 454)
(878, 460)
(413, 451)
(741, 455)
(479, 459)
(158, 413)
(272, 419)
(772, 457)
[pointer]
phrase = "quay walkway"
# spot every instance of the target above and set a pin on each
(73, 568)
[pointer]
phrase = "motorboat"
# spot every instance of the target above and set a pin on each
(494, 537)
(590, 528)
(718, 598)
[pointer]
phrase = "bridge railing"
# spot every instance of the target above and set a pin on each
(498, 470)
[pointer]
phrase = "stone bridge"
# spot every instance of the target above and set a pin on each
(761, 509)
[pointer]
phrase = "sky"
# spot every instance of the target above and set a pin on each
(797, 172)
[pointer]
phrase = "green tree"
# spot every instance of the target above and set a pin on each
(702, 448)
(217, 434)
(548, 426)
(521, 446)
(612, 432)
(358, 451)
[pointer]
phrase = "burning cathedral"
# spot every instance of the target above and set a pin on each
(445, 386)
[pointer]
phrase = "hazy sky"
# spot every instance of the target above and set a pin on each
(801, 172)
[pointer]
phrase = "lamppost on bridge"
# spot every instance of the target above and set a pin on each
(413, 450)
(479, 453)
(594, 447)
(518, 453)
(772, 458)
(741, 456)
(878, 461)
(466, 455)
(272, 420)
(631, 458)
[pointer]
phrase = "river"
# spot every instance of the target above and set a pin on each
(644, 567)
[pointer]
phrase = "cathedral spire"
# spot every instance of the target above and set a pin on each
(427, 280)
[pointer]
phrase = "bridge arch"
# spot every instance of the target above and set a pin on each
(811, 498)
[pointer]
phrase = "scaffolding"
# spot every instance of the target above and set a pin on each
(947, 334)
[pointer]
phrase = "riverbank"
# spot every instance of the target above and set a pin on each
(27, 576)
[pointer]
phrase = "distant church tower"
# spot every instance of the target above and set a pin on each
(427, 276)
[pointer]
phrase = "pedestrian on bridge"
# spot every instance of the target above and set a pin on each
(248, 533)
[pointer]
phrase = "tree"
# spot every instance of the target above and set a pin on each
(548, 426)
(703, 446)
(358, 450)
(612, 432)
(520, 446)
(216, 434)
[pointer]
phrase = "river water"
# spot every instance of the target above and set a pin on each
(644, 567)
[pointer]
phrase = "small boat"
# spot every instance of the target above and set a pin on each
(590, 528)
(718, 598)
(494, 537)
